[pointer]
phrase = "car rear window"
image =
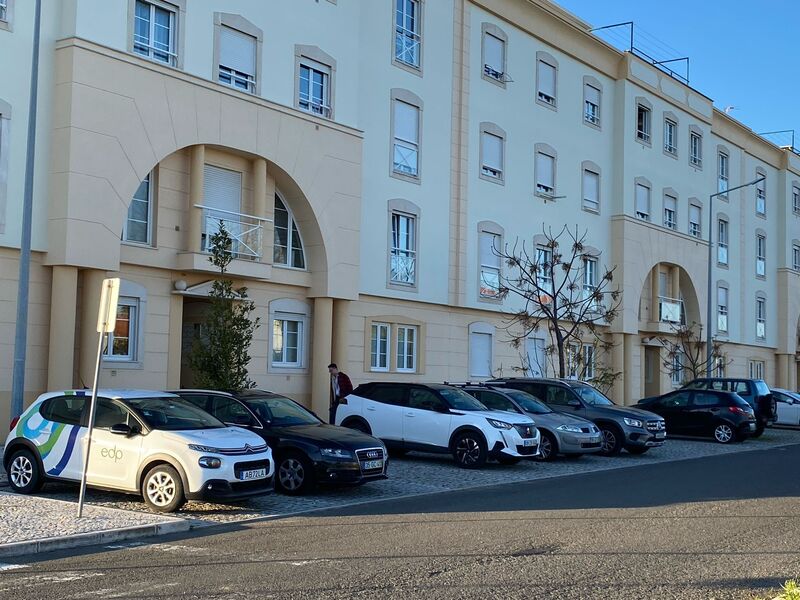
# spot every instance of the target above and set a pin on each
(738, 401)
(762, 388)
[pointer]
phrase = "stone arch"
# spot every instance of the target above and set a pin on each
(692, 306)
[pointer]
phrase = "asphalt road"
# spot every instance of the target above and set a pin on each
(717, 527)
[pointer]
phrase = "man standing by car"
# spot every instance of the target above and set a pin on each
(341, 387)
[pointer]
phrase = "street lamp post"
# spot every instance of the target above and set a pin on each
(710, 305)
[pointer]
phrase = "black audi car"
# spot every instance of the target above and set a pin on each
(306, 451)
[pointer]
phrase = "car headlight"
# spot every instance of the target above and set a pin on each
(632, 422)
(570, 428)
(336, 453)
(199, 448)
(209, 462)
(500, 424)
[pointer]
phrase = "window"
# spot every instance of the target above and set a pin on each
(108, 413)
(222, 203)
(406, 139)
(591, 104)
(670, 136)
(379, 347)
(490, 247)
(722, 309)
(591, 190)
(695, 149)
(288, 247)
(494, 57)
(589, 276)
(314, 88)
(720, 366)
(761, 318)
(796, 199)
(761, 256)
(588, 362)
(64, 409)
(670, 212)
(122, 341)
(546, 82)
(480, 354)
(695, 215)
(407, 32)
(544, 262)
(761, 196)
(422, 399)
(643, 123)
(140, 214)
(545, 174)
(796, 257)
(722, 242)
(723, 170)
(154, 31)
(237, 59)
(756, 369)
(491, 155)
(287, 339)
(642, 202)
(404, 249)
(676, 372)
(406, 348)
(4, 10)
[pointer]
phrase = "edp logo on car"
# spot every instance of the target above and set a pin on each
(112, 453)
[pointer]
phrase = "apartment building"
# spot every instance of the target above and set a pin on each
(365, 155)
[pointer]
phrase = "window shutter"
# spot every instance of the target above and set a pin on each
(406, 121)
(480, 355)
(722, 296)
(545, 170)
(591, 187)
(489, 246)
(222, 189)
(492, 151)
(592, 94)
(237, 50)
(547, 79)
(694, 214)
(493, 50)
(671, 203)
(642, 199)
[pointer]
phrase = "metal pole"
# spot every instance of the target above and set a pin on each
(21, 328)
(91, 423)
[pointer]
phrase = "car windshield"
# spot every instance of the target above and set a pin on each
(460, 400)
(591, 396)
(280, 412)
(762, 388)
(529, 403)
(172, 414)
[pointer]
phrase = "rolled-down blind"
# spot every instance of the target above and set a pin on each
(545, 170)
(480, 354)
(489, 249)
(591, 187)
(592, 94)
(492, 151)
(406, 121)
(642, 199)
(237, 51)
(671, 203)
(493, 50)
(222, 189)
(547, 79)
(694, 214)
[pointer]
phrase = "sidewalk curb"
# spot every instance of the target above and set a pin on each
(93, 538)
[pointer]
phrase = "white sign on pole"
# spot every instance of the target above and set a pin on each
(106, 321)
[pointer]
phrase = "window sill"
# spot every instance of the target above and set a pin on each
(414, 70)
(642, 142)
(495, 180)
(761, 215)
(288, 369)
(497, 82)
(595, 126)
(402, 287)
(672, 155)
(593, 211)
(110, 364)
(403, 177)
(761, 277)
(289, 268)
(490, 300)
(5, 25)
(553, 107)
(722, 266)
(143, 245)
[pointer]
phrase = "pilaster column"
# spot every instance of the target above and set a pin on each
(92, 287)
(196, 197)
(175, 342)
(341, 334)
(618, 366)
(321, 356)
(675, 280)
(63, 308)
(633, 369)
(654, 293)
(260, 200)
(785, 364)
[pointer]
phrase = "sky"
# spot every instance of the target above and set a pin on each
(742, 53)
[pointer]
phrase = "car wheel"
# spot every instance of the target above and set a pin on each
(469, 450)
(724, 433)
(358, 425)
(162, 489)
(611, 440)
(759, 430)
(548, 447)
(24, 474)
(637, 450)
(294, 474)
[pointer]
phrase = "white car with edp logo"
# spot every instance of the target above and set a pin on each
(144, 442)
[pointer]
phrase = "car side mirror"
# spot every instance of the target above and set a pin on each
(443, 409)
(123, 429)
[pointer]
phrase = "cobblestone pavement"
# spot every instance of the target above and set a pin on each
(421, 474)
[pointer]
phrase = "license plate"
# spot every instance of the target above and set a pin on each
(369, 465)
(253, 474)
(661, 435)
(527, 443)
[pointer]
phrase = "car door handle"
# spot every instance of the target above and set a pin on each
(410, 415)
(371, 408)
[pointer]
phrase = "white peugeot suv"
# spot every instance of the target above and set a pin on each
(144, 442)
(438, 418)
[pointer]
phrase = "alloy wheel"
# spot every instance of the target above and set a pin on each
(291, 474)
(468, 451)
(545, 448)
(161, 488)
(723, 433)
(609, 440)
(21, 471)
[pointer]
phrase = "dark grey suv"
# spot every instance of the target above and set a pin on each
(626, 427)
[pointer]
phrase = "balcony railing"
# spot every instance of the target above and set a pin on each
(245, 231)
(670, 310)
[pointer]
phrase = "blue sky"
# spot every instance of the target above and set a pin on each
(742, 53)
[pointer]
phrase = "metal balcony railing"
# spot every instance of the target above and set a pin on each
(670, 310)
(246, 231)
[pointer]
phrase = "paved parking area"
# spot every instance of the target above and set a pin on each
(419, 474)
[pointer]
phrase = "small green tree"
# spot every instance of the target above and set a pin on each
(220, 357)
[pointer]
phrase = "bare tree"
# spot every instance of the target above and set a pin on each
(685, 354)
(562, 292)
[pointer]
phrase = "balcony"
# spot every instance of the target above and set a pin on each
(670, 310)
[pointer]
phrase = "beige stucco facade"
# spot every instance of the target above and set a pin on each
(110, 118)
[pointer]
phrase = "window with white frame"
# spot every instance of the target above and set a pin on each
(406, 139)
(407, 32)
(695, 149)
(676, 372)
(379, 347)
(761, 196)
(288, 247)
(723, 170)
(404, 249)
(287, 341)
(796, 199)
(796, 257)
(406, 348)
(492, 155)
(761, 318)
(670, 136)
(643, 123)
(722, 309)
(480, 354)
(591, 104)
(140, 214)
(642, 202)
(123, 341)
(3, 10)
(155, 31)
(544, 263)
(494, 57)
(545, 174)
(695, 216)
(720, 366)
(489, 251)
(589, 276)
(314, 87)
(756, 369)
(722, 242)
(237, 59)
(588, 362)
(761, 255)
(670, 212)
(573, 357)
(546, 82)
(591, 190)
